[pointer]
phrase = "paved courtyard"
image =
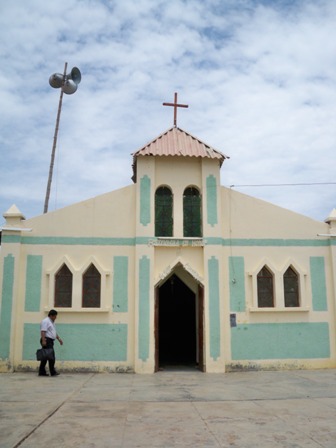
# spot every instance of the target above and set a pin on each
(169, 409)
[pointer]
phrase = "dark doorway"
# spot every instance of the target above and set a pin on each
(177, 329)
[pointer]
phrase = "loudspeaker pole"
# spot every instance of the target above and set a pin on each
(53, 151)
(68, 84)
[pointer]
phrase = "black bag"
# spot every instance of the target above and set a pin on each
(45, 354)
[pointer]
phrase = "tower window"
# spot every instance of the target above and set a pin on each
(163, 212)
(192, 212)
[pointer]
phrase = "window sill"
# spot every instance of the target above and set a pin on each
(289, 309)
(80, 310)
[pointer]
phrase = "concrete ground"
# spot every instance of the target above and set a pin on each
(169, 409)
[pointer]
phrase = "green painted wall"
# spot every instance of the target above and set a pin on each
(211, 192)
(77, 241)
(237, 283)
(11, 239)
(33, 283)
(144, 324)
(318, 284)
(302, 340)
(214, 311)
(145, 188)
(210, 241)
(269, 242)
(120, 284)
(82, 342)
(6, 306)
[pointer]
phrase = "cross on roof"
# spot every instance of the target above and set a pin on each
(175, 105)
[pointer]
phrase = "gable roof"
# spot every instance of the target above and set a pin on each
(177, 142)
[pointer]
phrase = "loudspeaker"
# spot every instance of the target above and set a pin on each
(76, 75)
(68, 82)
(69, 87)
(56, 80)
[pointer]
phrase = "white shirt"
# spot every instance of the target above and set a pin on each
(49, 327)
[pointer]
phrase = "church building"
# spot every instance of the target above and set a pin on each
(172, 270)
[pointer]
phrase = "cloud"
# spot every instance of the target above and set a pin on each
(258, 77)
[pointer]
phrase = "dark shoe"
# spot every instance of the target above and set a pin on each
(43, 374)
(54, 373)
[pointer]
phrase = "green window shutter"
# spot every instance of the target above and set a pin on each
(192, 226)
(163, 212)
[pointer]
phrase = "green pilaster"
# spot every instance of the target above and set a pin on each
(214, 311)
(211, 192)
(318, 284)
(6, 306)
(120, 284)
(237, 284)
(143, 331)
(145, 187)
(33, 283)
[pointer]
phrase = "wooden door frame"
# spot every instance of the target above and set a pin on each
(200, 336)
(156, 328)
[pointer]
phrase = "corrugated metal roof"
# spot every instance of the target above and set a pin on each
(176, 142)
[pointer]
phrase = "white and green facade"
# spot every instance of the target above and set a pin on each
(184, 271)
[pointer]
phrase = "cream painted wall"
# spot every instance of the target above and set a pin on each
(248, 217)
(107, 215)
(108, 226)
(166, 258)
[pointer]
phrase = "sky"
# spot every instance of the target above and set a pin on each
(259, 77)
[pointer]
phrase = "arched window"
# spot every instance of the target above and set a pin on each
(163, 212)
(265, 288)
(63, 287)
(291, 288)
(191, 212)
(91, 288)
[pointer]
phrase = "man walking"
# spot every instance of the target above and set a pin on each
(48, 336)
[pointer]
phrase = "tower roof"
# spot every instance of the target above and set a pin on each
(176, 142)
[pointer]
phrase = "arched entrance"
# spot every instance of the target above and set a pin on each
(179, 325)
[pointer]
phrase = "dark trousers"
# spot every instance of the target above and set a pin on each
(42, 369)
